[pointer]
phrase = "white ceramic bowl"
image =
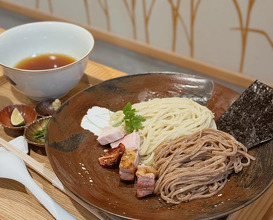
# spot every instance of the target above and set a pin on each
(27, 40)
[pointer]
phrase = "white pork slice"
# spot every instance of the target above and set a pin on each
(130, 141)
(110, 134)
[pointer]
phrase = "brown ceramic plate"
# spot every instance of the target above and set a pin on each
(73, 152)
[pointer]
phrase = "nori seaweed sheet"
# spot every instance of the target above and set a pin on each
(250, 118)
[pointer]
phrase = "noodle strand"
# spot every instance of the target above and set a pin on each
(198, 165)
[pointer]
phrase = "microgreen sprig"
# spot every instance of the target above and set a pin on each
(131, 120)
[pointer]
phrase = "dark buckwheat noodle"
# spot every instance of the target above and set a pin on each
(197, 166)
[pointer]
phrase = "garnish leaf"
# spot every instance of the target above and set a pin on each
(127, 108)
(131, 120)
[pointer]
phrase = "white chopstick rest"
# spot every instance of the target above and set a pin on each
(20, 143)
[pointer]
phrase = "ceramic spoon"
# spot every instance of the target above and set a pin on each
(12, 167)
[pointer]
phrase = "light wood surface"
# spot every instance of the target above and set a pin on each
(16, 202)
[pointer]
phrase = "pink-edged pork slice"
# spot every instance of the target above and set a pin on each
(128, 165)
(110, 134)
(145, 180)
(130, 141)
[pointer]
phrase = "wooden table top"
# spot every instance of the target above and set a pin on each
(16, 202)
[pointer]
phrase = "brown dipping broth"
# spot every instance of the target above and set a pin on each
(45, 61)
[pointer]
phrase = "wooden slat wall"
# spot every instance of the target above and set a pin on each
(213, 71)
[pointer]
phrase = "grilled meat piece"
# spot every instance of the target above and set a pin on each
(128, 165)
(145, 180)
(112, 156)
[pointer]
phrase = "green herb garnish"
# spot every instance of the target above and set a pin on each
(131, 120)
